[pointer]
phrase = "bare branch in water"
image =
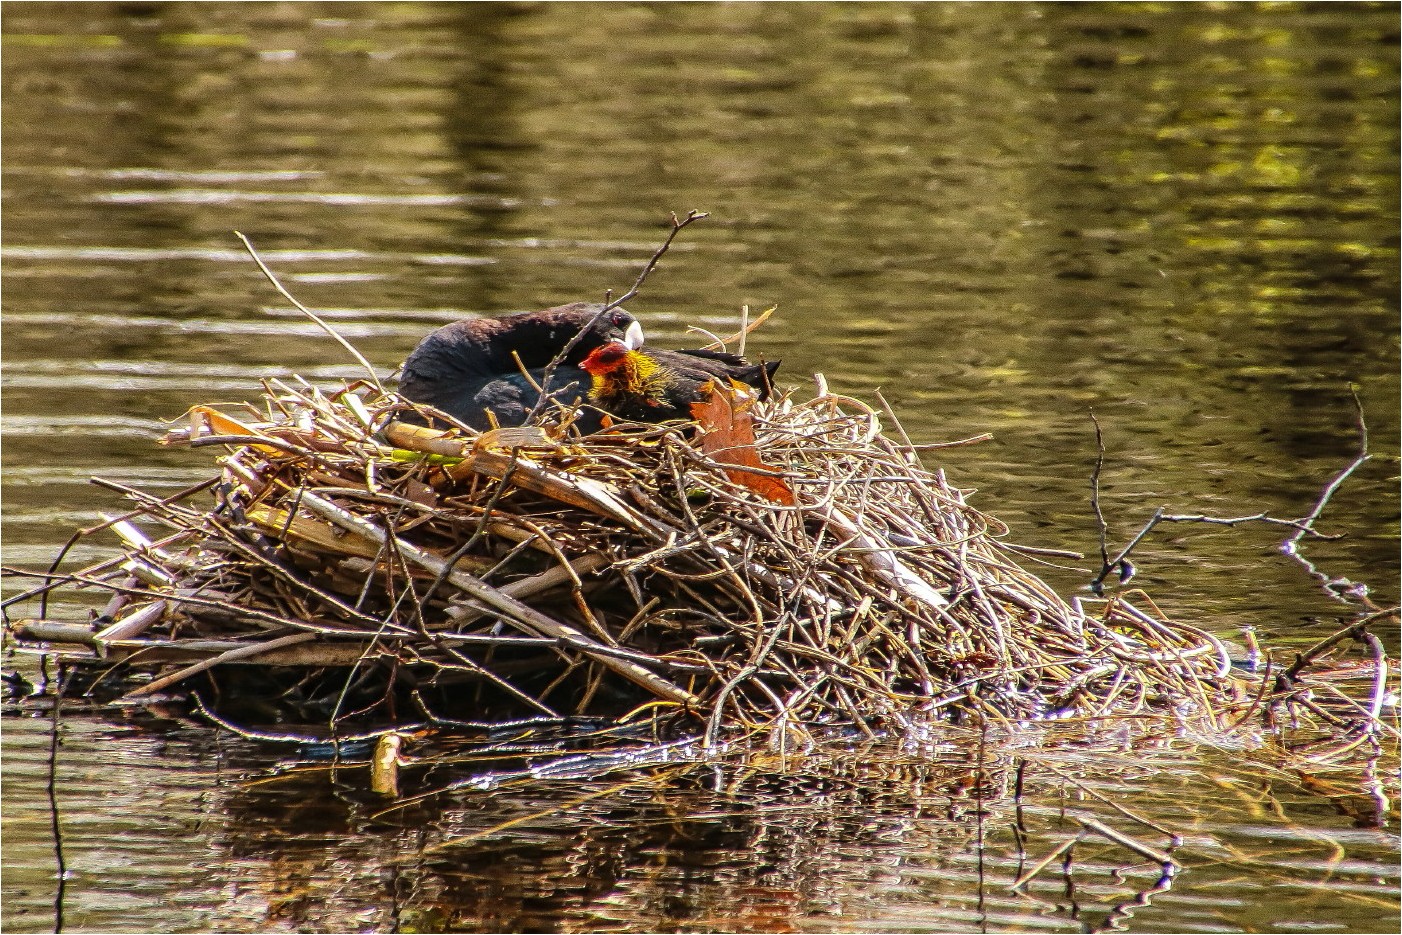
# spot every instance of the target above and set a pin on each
(1341, 589)
(1103, 529)
(1307, 524)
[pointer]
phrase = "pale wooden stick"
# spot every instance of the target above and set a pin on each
(536, 584)
(132, 624)
(880, 560)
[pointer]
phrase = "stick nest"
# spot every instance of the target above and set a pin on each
(406, 573)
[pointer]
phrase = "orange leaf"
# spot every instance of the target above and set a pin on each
(202, 417)
(729, 437)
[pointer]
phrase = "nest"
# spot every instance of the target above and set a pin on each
(371, 570)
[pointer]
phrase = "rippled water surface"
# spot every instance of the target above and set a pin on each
(1182, 216)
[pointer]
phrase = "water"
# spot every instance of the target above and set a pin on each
(1183, 217)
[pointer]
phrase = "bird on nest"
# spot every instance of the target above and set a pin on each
(655, 385)
(484, 369)
(488, 372)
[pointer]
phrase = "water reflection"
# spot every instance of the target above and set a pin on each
(1183, 215)
(875, 838)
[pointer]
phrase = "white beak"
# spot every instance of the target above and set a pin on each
(633, 337)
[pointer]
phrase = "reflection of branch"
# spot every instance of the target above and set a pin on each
(1168, 866)
(55, 824)
(1121, 911)
(1130, 844)
(1042, 864)
(1341, 589)
(610, 304)
(1066, 851)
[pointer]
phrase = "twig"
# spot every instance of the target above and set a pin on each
(692, 217)
(1038, 550)
(1096, 586)
(1306, 524)
(243, 652)
(1339, 588)
(248, 245)
(523, 588)
(748, 325)
(503, 484)
(1107, 800)
(1352, 631)
(880, 560)
(609, 305)
(957, 443)
(1095, 502)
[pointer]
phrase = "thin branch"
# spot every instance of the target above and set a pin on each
(1095, 495)
(1303, 527)
(1352, 631)
(1341, 589)
(1237, 520)
(747, 325)
(1307, 524)
(1121, 560)
(692, 217)
(609, 305)
(248, 245)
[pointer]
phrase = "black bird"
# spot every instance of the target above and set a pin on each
(468, 369)
(654, 385)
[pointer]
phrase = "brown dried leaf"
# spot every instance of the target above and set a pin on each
(729, 437)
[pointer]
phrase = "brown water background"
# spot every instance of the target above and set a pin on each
(1184, 216)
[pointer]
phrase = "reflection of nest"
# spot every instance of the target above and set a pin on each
(472, 581)
(759, 844)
